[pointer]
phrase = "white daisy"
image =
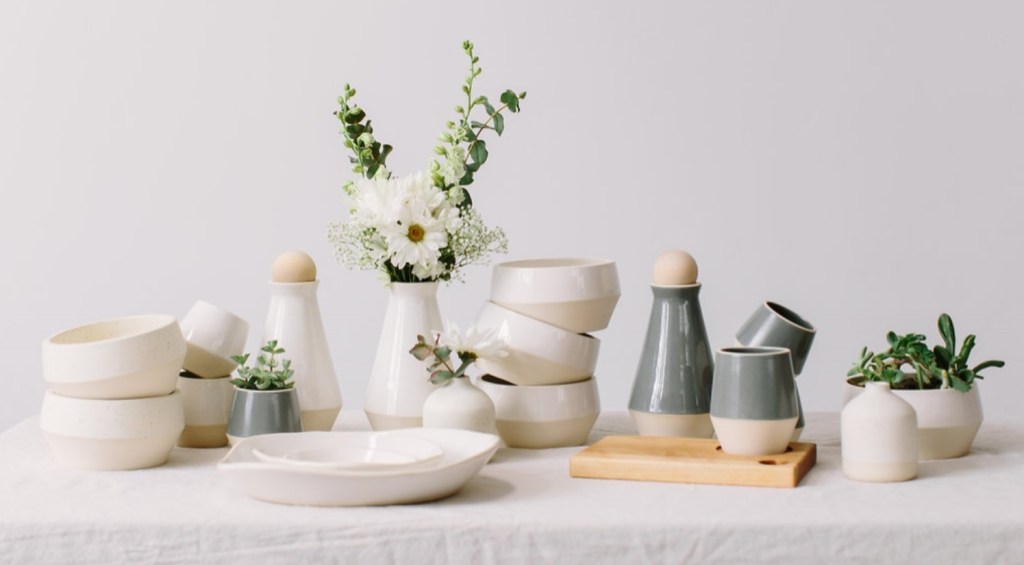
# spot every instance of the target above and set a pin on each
(417, 238)
(480, 344)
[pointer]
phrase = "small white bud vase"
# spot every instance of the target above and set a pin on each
(460, 404)
(879, 436)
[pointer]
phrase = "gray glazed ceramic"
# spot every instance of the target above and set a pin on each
(774, 325)
(256, 412)
(675, 372)
(754, 383)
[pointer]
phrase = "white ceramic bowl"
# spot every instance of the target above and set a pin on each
(538, 353)
(213, 335)
(543, 416)
(132, 357)
(576, 294)
(112, 434)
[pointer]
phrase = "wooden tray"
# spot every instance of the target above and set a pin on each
(687, 460)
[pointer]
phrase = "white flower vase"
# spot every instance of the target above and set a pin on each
(399, 383)
(294, 321)
(460, 404)
(879, 436)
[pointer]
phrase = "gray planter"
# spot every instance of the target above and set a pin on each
(256, 412)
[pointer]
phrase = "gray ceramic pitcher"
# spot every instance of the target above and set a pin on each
(672, 390)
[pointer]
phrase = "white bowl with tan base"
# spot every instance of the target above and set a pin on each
(947, 419)
(131, 357)
(207, 405)
(538, 417)
(112, 434)
(577, 294)
(538, 353)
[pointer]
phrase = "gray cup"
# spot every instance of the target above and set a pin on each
(256, 412)
(774, 325)
(753, 400)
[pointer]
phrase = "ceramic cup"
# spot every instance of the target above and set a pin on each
(774, 325)
(213, 335)
(753, 400)
(256, 412)
(207, 406)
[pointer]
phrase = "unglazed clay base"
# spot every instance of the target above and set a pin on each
(154, 381)
(542, 435)
(879, 472)
(201, 362)
(382, 422)
(673, 425)
(580, 316)
(945, 443)
(204, 436)
(753, 437)
(319, 420)
(110, 454)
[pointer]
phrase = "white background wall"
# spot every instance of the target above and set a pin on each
(860, 162)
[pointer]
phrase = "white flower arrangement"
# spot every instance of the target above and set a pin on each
(420, 227)
(468, 347)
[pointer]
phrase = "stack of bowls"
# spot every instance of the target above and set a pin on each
(544, 391)
(111, 401)
(212, 337)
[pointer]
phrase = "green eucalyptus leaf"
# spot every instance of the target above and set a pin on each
(499, 124)
(510, 99)
(438, 377)
(479, 152)
(421, 351)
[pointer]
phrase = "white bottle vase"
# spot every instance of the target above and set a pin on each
(460, 404)
(879, 436)
(294, 321)
(399, 383)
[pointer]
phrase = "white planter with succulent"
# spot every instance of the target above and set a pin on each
(458, 403)
(415, 231)
(937, 382)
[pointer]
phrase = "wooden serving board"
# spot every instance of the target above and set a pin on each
(687, 460)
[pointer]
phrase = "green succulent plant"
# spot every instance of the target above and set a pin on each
(268, 373)
(910, 364)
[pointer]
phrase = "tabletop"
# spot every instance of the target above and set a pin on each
(523, 507)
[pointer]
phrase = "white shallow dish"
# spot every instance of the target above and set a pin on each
(465, 453)
(360, 452)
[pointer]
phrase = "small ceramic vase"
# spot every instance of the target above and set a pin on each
(398, 381)
(294, 321)
(879, 436)
(672, 389)
(753, 400)
(257, 412)
(459, 404)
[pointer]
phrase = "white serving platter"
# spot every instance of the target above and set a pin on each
(464, 453)
(359, 452)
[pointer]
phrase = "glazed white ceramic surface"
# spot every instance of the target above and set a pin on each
(465, 453)
(131, 357)
(879, 436)
(294, 320)
(112, 434)
(947, 419)
(213, 336)
(367, 452)
(460, 405)
(577, 294)
(398, 381)
(538, 353)
(544, 416)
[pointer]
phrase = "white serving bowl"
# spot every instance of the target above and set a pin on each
(213, 335)
(576, 294)
(112, 434)
(132, 357)
(543, 416)
(538, 353)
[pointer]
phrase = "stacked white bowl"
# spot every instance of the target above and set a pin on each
(544, 391)
(111, 401)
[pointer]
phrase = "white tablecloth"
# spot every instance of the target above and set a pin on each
(522, 508)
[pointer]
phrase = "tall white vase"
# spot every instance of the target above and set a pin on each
(879, 436)
(294, 321)
(399, 383)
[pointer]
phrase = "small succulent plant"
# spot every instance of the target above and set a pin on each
(943, 366)
(268, 374)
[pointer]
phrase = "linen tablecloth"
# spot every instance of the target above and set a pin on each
(522, 508)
